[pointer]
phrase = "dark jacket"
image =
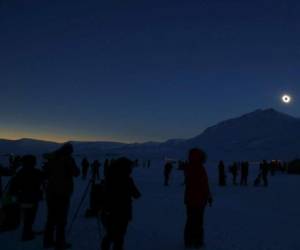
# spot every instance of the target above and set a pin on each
(197, 190)
(118, 195)
(27, 185)
(60, 172)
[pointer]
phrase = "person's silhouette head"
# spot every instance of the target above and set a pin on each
(66, 149)
(197, 156)
(121, 168)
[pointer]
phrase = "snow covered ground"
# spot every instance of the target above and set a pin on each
(243, 218)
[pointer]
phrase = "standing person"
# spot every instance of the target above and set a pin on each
(244, 173)
(4, 172)
(27, 187)
(197, 195)
(120, 189)
(60, 171)
(95, 170)
(85, 167)
(106, 167)
(264, 172)
(167, 172)
(149, 163)
(234, 172)
(222, 175)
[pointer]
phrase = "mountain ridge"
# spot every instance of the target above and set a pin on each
(261, 134)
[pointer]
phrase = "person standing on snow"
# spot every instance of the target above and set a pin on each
(167, 173)
(197, 196)
(60, 171)
(95, 170)
(27, 187)
(85, 167)
(264, 172)
(234, 172)
(244, 173)
(119, 191)
(222, 175)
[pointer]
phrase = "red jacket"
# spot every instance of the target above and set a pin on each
(197, 190)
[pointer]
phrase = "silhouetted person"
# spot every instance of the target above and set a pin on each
(136, 163)
(27, 187)
(148, 164)
(4, 172)
(222, 175)
(197, 195)
(106, 167)
(95, 170)
(167, 172)
(244, 173)
(60, 171)
(234, 172)
(85, 168)
(273, 167)
(264, 172)
(117, 212)
(15, 162)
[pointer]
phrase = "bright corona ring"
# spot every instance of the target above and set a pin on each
(286, 99)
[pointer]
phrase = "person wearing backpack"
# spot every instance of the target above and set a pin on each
(119, 190)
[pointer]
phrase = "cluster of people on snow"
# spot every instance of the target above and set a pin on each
(265, 169)
(112, 197)
(54, 182)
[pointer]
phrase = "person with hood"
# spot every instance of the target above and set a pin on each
(60, 171)
(197, 196)
(27, 187)
(222, 175)
(119, 190)
(85, 167)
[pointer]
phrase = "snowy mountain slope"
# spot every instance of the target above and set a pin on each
(262, 134)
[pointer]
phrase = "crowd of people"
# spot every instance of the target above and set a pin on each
(266, 168)
(55, 182)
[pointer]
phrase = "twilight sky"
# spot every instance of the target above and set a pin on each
(142, 70)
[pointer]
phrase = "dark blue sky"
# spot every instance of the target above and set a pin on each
(142, 70)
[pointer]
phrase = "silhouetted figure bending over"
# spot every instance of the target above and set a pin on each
(85, 168)
(27, 187)
(167, 172)
(222, 175)
(119, 190)
(244, 173)
(60, 171)
(197, 195)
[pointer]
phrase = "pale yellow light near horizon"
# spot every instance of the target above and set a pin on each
(12, 134)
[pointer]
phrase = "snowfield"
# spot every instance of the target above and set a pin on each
(242, 218)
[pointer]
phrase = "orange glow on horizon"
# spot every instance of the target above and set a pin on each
(16, 135)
